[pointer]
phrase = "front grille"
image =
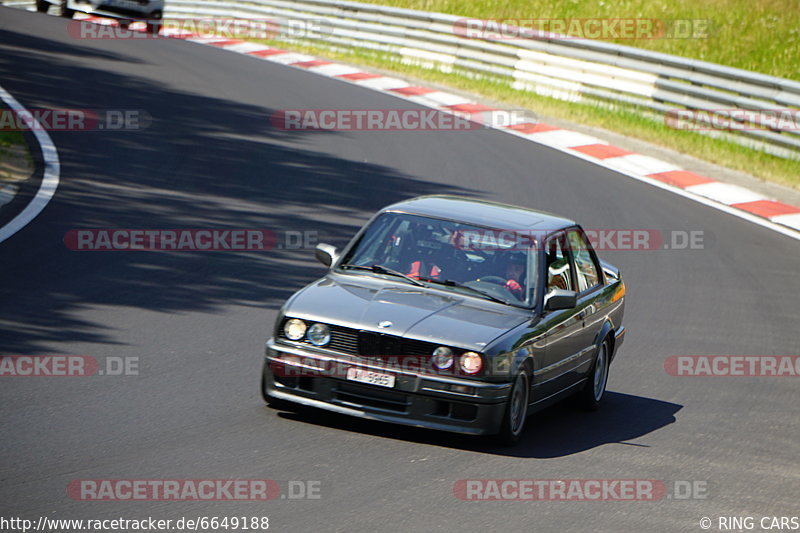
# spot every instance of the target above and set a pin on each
(391, 351)
(371, 344)
(343, 340)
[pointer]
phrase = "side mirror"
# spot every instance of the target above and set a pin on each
(560, 299)
(326, 254)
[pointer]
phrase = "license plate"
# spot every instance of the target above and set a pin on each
(368, 376)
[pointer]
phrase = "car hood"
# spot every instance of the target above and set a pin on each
(433, 315)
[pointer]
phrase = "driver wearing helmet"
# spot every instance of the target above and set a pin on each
(426, 255)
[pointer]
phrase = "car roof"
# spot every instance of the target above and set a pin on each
(481, 213)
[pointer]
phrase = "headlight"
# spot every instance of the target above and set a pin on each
(294, 329)
(442, 357)
(470, 362)
(319, 334)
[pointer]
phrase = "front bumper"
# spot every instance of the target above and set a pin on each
(417, 399)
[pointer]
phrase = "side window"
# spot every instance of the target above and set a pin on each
(557, 266)
(585, 268)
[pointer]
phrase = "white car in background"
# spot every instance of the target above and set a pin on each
(151, 11)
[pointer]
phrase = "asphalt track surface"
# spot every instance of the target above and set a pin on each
(198, 321)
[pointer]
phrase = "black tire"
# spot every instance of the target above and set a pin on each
(154, 23)
(516, 410)
(124, 23)
(593, 391)
(42, 6)
(65, 11)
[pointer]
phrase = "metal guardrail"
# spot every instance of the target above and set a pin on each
(580, 70)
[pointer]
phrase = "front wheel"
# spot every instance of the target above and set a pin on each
(42, 6)
(516, 410)
(154, 23)
(595, 387)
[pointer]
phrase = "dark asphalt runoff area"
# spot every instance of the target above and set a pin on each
(197, 321)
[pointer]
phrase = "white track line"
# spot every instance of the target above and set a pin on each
(52, 169)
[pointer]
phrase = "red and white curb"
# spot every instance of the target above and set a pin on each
(733, 199)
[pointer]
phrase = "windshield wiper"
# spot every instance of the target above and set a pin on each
(451, 283)
(380, 269)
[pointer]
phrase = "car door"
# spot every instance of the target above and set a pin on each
(561, 340)
(589, 285)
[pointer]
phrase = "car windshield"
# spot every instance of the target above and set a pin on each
(489, 263)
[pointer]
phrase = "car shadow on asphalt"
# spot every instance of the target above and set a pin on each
(557, 431)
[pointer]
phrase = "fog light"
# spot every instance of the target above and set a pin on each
(463, 389)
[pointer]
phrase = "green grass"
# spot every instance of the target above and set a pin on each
(11, 138)
(759, 35)
(718, 151)
(10, 144)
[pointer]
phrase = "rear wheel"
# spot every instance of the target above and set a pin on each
(595, 387)
(516, 410)
(42, 6)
